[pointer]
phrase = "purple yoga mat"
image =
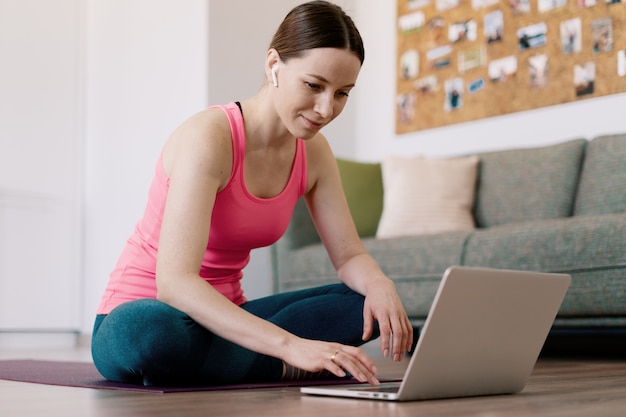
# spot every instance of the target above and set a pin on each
(85, 375)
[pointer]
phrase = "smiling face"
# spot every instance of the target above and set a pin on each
(313, 89)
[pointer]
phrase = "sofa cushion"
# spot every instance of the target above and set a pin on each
(528, 184)
(415, 264)
(602, 188)
(425, 196)
(590, 248)
(363, 187)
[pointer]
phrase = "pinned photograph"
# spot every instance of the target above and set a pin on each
(602, 35)
(410, 64)
(476, 85)
(479, 4)
(587, 3)
(454, 94)
(571, 36)
(494, 26)
(446, 4)
(547, 5)
(502, 69)
(439, 57)
(621, 63)
(532, 36)
(462, 31)
(410, 23)
(471, 58)
(584, 78)
(520, 6)
(406, 107)
(426, 85)
(436, 34)
(538, 70)
(418, 4)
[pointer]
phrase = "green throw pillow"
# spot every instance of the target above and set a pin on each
(363, 186)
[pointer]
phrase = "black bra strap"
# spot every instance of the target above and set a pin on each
(240, 109)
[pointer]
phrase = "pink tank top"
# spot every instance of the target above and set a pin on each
(240, 223)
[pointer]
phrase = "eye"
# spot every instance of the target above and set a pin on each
(343, 93)
(313, 86)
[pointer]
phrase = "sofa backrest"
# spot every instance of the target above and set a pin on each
(528, 184)
(602, 188)
(577, 177)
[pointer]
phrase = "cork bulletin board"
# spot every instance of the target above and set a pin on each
(463, 60)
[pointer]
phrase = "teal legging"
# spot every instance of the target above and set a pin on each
(149, 342)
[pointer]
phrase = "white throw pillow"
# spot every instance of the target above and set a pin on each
(425, 196)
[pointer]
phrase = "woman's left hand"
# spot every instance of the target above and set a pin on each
(382, 304)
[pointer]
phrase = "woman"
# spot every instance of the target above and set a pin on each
(226, 182)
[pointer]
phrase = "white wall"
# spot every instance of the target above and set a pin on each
(375, 119)
(41, 123)
(146, 73)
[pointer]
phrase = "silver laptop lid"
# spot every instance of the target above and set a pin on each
(484, 332)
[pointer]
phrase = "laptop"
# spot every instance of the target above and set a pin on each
(483, 335)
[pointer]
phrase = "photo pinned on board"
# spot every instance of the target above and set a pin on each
(417, 4)
(439, 57)
(410, 64)
(571, 36)
(520, 6)
(481, 4)
(462, 31)
(538, 70)
(476, 85)
(587, 3)
(602, 35)
(454, 94)
(532, 36)
(406, 107)
(435, 32)
(547, 5)
(411, 23)
(584, 78)
(426, 85)
(502, 69)
(446, 4)
(471, 58)
(494, 26)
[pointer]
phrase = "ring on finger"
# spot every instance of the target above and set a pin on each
(332, 358)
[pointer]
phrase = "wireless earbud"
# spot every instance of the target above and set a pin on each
(274, 79)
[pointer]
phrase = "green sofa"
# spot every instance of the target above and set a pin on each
(558, 208)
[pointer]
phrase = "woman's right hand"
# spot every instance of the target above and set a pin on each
(316, 356)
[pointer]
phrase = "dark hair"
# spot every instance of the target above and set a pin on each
(316, 24)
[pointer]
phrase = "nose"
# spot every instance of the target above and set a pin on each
(324, 105)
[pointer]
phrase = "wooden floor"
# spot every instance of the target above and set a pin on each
(557, 387)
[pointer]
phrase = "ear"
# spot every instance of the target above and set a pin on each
(272, 60)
